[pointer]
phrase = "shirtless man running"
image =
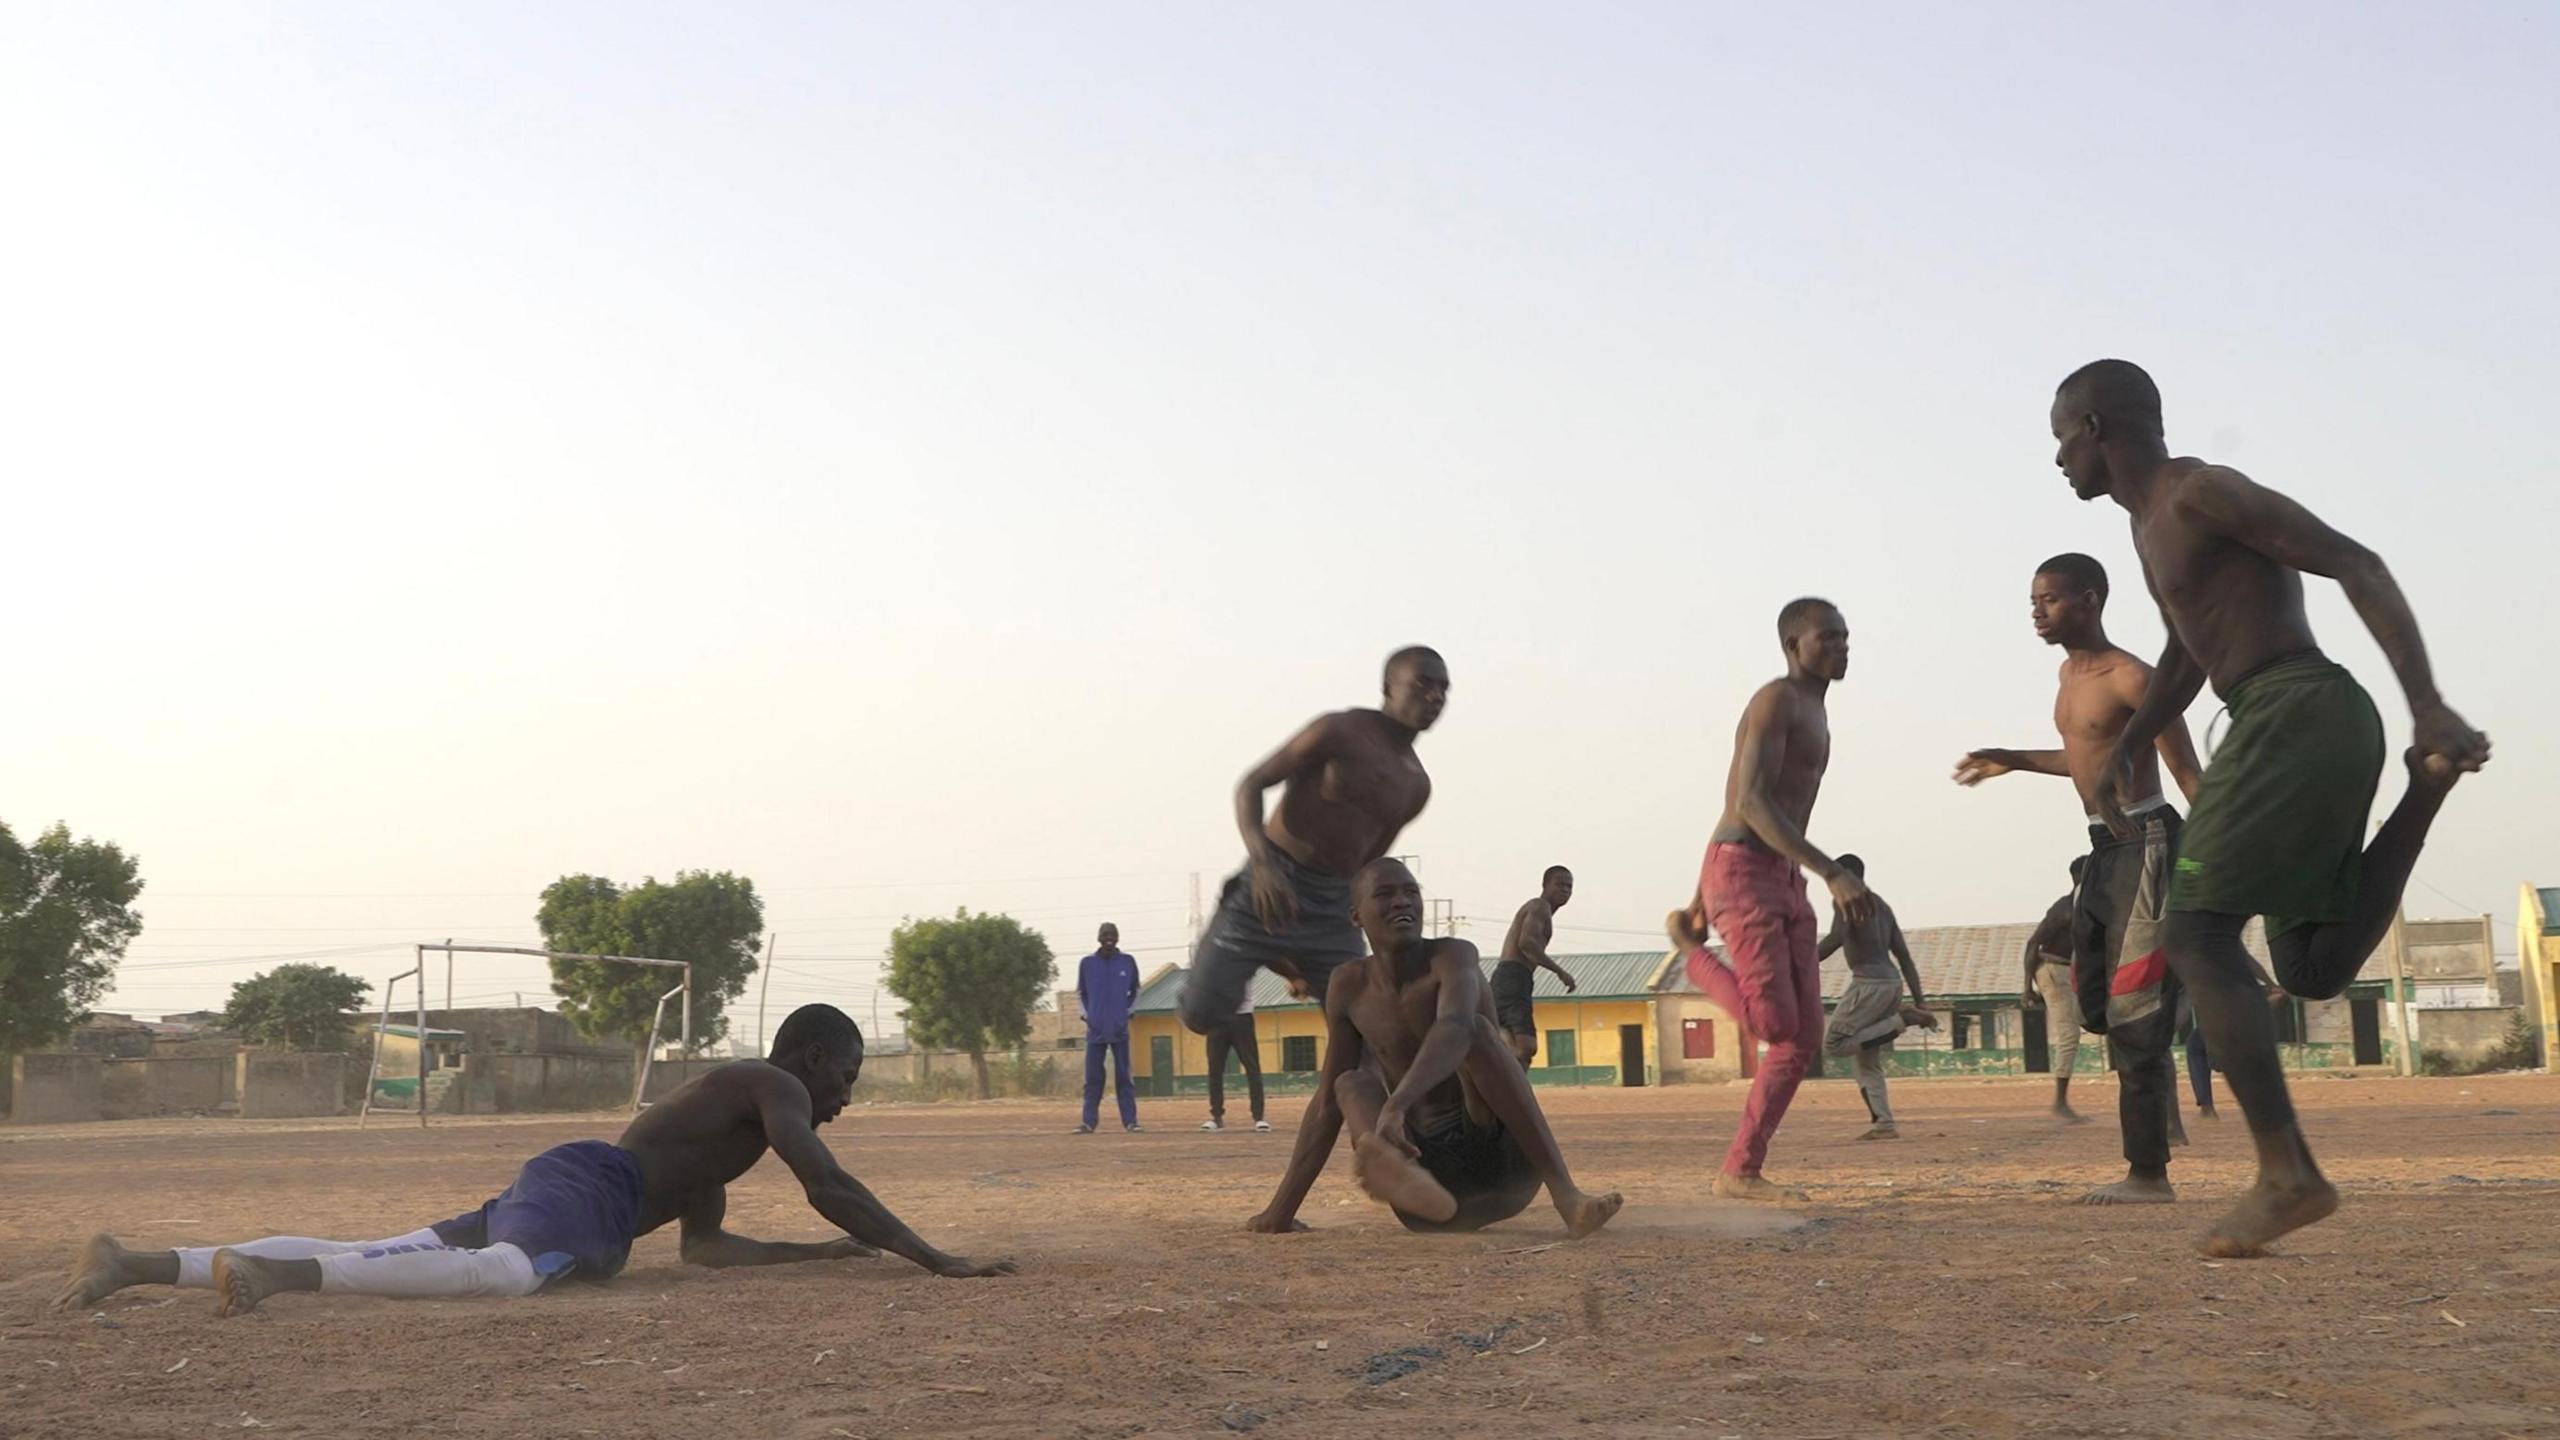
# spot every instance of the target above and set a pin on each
(1351, 784)
(1444, 1127)
(2278, 828)
(2123, 985)
(1524, 954)
(1751, 891)
(575, 1209)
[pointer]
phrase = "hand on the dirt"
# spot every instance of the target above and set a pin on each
(1267, 1223)
(955, 1268)
(1980, 765)
(1273, 901)
(1852, 896)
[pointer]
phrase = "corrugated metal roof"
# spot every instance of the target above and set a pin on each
(1961, 961)
(1615, 975)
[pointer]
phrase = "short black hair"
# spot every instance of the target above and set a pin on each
(1411, 655)
(1552, 872)
(2117, 391)
(817, 1025)
(1797, 610)
(2083, 571)
(1854, 866)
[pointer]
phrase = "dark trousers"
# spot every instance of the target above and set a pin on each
(1123, 1087)
(1236, 1035)
(2199, 1067)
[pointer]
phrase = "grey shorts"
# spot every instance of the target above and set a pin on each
(1235, 943)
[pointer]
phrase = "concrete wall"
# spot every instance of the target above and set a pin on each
(135, 1089)
(54, 1089)
(1671, 1017)
(509, 1031)
(666, 1077)
(275, 1086)
(2468, 1034)
(503, 1084)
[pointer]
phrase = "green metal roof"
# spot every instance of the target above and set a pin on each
(1616, 975)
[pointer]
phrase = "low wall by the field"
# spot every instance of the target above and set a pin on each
(289, 1087)
(54, 1089)
(2466, 1034)
(138, 1089)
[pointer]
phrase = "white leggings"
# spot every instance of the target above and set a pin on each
(412, 1266)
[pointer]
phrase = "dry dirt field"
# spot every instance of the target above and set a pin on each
(1939, 1286)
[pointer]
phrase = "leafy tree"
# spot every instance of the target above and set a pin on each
(295, 1007)
(969, 983)
(66, 914)
(714, 920)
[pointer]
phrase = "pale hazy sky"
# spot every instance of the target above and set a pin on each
(921, 455)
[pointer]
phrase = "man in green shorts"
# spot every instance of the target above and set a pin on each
(2278, 829)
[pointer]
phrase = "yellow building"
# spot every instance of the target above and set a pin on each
(2538, 952)
(1609, 1031)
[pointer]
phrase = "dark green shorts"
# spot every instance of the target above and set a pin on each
(2279, 827)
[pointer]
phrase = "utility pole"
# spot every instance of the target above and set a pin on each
(448, 993)
(764, 982)
(2397, 943)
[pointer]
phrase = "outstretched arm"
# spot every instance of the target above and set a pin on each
(1323, 1123)
(2230, 504)
(847, 1204)
(702, 1242)
(1980, 765)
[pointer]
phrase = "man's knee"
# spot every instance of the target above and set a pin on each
(2298, 970)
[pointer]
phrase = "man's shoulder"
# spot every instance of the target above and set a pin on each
(1454, 951)
(1534, 905)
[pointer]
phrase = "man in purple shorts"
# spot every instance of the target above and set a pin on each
(574, 1210)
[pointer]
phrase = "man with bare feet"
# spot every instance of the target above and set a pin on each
(574, 1210)
(2049, 991)
(1444, 1128)
(1752, 892)
(2279, 824)
(1524, 953)
(2125, 989)
(1351, 783)
(1871, 1011)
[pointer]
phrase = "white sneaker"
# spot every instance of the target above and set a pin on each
(1262, 1127)
(1211, 1125)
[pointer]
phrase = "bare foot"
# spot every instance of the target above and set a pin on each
(1584, 1214)
(2266, 1212)
(1397, 1180)
(2430, 772)
(2132, 1190)
(1752, 1187)
(2208, 1113)
(241, 1281)
(2069, 1116)
(105, 1268)
(1881, 1132)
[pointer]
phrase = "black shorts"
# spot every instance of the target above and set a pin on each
(1479, 1165)
(1512, 984)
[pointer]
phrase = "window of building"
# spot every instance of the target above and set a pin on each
(1298, 1054)
(1560, 1049)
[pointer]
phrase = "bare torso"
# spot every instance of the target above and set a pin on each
(1536, 920)
(2096, 700)
(1347, 808)
(2233, 608)
(1393, 1003)
(1806, 729)
(699, 1139)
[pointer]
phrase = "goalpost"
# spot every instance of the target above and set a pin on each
(418, 972)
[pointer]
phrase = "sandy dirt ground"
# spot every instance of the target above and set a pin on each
(1940, 1285)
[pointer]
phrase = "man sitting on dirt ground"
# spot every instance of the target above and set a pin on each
(1444, 1128)
(575, 1209)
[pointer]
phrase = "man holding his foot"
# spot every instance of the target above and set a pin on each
(1444, 1128)
(1753, 893)
(1871, 1012)
(2124, 988)
(575, 1209)
(2279, 824)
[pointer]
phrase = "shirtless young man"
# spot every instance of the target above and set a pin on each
(1752, 892)
(2123, 985)
(1524, 954)
(1444, 1127)
(2278, 828)
(1871, 1012)
(1351, 784)
(575, 1209)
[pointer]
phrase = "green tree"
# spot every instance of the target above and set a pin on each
(969, 983)
(295, 1007)
(66, 914)
(714, 920)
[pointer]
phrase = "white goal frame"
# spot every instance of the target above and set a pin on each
(418, 972)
